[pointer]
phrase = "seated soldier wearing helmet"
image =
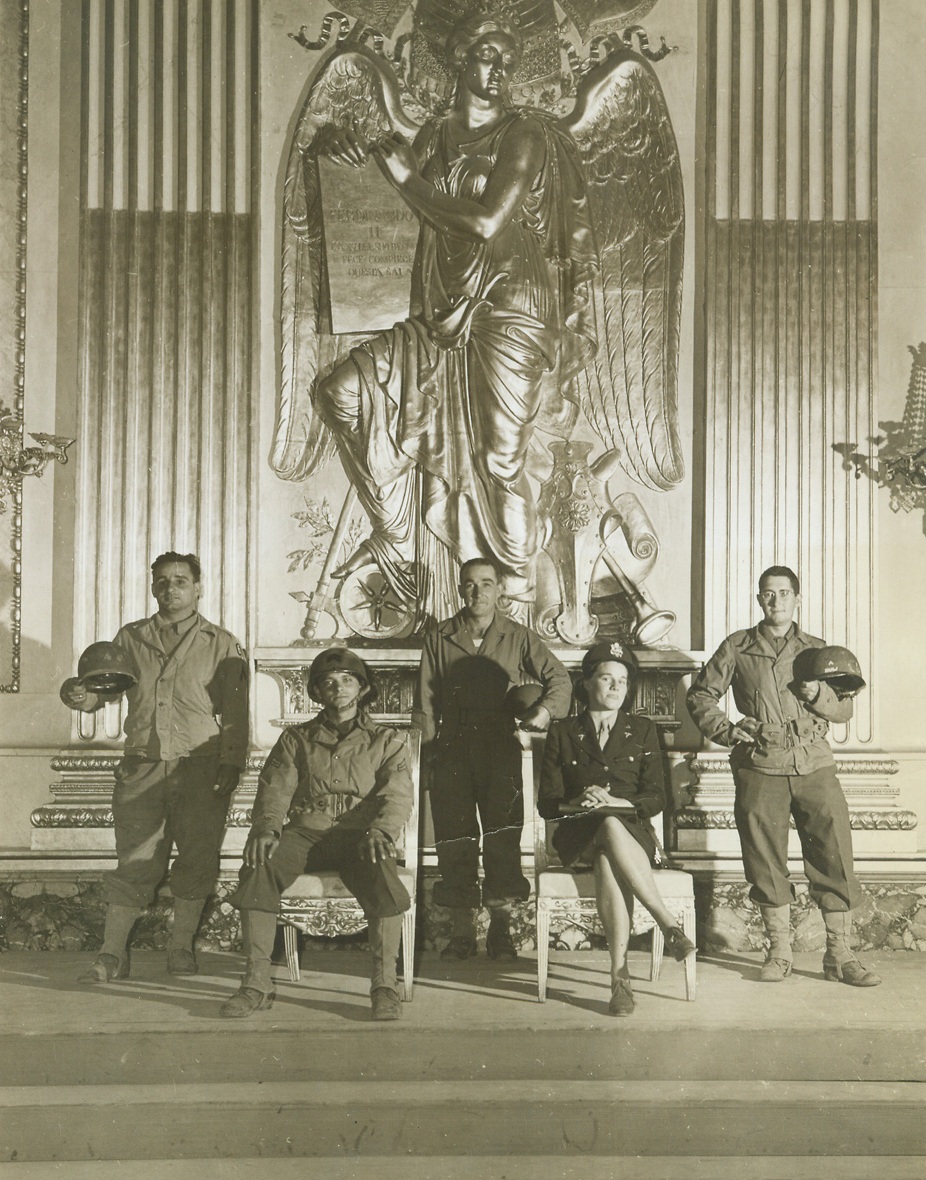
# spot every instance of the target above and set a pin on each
(338, 759)
(789, 686)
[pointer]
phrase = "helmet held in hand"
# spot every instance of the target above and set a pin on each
(106, 668)
(837, 666)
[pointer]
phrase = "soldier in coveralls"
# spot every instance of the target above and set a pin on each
(469, 663)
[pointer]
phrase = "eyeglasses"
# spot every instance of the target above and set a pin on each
(771, 595)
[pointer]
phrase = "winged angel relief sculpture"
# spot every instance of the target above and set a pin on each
(546, 294)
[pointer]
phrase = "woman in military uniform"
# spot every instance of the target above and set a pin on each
(602, 779)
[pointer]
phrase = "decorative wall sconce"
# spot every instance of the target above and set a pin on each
(17, 461)
(901, 463)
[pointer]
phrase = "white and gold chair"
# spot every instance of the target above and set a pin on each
(320, 906)
(570, 896)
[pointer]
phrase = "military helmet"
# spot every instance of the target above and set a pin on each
(837, 666)
(106, 667)
(521, 699)
(339, 659)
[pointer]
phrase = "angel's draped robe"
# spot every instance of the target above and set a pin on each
(434, 417)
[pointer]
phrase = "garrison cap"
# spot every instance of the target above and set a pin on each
(605, 653)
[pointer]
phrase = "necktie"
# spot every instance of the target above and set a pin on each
(604, 731)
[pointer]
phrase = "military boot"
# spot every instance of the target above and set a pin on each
(777, 965)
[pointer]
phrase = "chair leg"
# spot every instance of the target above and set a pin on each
(543, 950)
(408, 952)
(691, 982)
(658, 947)
(291, 946)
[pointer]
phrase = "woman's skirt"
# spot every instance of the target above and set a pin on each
(574, 838)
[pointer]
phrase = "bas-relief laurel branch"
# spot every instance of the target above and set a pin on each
(566, 302)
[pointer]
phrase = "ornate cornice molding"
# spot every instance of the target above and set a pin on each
(107, 763)
(858, 764)
(889, 820)
(72, 817)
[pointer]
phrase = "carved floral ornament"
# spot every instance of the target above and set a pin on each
(324, 919)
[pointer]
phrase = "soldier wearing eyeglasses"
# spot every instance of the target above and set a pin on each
(783, 768)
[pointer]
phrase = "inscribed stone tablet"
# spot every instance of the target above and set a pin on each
(370, 239)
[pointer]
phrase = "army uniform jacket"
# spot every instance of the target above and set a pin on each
(460, 684)
(192, 702)
(792, 738)
(630, 766)
(313, 771)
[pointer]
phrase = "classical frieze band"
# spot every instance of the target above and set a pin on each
(888, 820)
(719, 764)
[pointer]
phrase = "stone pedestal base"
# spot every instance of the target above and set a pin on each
(48, 906)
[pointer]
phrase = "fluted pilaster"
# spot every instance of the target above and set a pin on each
(791, 314)
(167, 168)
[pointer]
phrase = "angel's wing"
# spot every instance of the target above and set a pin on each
(621, 125)
(356, 89)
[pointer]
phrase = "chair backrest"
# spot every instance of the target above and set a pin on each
(545, 857)
(408, 842)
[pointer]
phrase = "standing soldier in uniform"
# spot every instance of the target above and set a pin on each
(186, 743)
(783, 767)
(468, 665)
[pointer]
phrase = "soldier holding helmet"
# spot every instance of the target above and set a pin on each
(789, 687)
(186, 742)
(469, 664)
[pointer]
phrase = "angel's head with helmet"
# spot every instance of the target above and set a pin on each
(484, 22)
(339, 679)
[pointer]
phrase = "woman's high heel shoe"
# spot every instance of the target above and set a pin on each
(678, 944)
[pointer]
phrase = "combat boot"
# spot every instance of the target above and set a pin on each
(777, 965)
(840, 964)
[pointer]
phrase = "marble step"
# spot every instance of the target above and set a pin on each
(520, 1118)
(536, 1167)
(623, 1051)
